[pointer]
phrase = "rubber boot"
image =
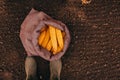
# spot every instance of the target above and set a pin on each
(55, 69)
(30, 68)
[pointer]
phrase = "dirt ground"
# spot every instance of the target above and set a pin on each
(94, 51)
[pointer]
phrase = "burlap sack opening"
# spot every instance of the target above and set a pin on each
(30, 30)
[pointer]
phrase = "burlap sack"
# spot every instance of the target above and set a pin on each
(30, 30)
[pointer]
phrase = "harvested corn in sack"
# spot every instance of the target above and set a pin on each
(43, 36)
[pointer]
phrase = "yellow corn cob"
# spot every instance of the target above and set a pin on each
(53, 38)
(41, 37)
(46, 39)
(63, 34)
(86, 1)
(59, 38)
(49, 45)
(44, 28)
(58, 50)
